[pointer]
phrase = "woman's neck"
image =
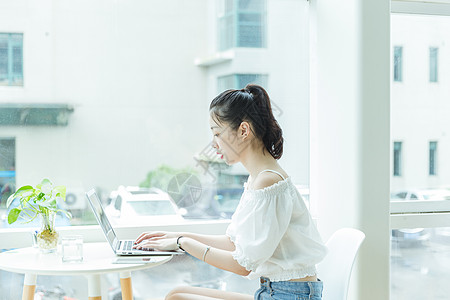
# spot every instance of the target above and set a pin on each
(255, 161)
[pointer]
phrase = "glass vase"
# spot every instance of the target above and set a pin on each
(47, 237)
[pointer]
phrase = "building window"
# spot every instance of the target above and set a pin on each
(433, 64)
(242, 23)
(397, 158)
(398, 63)
(11, 59)
(433, 158)
(239, 81)
(7, 169)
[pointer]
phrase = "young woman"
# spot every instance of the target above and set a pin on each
(271, 234)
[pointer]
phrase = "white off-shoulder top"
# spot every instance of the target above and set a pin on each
(274, 234)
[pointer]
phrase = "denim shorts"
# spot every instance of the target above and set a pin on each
(289, 290)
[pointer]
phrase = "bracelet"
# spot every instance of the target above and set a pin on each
(178, 242)
(206, 251)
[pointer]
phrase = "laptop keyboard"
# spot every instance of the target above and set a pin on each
(127, 245)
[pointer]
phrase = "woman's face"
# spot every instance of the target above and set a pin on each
(226, 141)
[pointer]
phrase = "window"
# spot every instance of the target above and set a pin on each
(11, 59)
(398, 62)
(65, 142)
(433, 158)
(397, 158)
(239, 81)
(433, 64)
(7, 168)
(420, 223)
(242, 23)
(134, 116)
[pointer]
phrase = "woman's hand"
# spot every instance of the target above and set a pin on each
(155, 235)
(159, 240)
(162, 244)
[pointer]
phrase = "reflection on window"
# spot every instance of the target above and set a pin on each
(11, 59)
(239, 81)
(398, 61)
(88, 123)
(433, 153)
(242, 23)
(433, 64)
(419, 263)
(397, 158)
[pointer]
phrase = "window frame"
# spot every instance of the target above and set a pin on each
(414, 214)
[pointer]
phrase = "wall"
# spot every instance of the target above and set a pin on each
(350, 132)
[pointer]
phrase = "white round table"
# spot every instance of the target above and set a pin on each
(97, 259)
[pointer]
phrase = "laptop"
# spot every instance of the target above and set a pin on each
(120, 247)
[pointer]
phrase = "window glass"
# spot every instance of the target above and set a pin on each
(239, 81)
(397, 158)
(115, 101)
(7, 169)
(419, 118)
(419, 263)
(398, 63)
(433, 64)
(243, 25)
(11, 59)
(433, 153)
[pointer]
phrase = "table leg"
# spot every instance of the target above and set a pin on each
(125, 284)
(94, 287)
(29, 286)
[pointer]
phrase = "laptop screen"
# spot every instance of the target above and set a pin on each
(100, 215)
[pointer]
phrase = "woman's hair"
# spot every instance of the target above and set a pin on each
(250, 104)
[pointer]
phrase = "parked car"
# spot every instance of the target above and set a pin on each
(416, 235)
(421, 195)
(135, 205)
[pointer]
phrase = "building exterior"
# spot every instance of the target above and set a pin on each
(420, 102)
(106, 91)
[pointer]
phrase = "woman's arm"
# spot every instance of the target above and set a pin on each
(217, 241)
(219, 258)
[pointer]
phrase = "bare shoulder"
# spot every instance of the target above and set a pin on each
(266, 179)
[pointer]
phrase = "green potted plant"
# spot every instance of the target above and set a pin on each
(39, 201)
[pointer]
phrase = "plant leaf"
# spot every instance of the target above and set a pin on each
(13, 215)
(61, 190)
(46, 181)
(10, 200)
(24, 189)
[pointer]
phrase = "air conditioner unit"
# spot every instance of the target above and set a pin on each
(75, 199)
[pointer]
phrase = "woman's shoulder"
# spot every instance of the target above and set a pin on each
(268, 186)
(266, 179)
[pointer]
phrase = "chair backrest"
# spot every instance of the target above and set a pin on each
(336, 268)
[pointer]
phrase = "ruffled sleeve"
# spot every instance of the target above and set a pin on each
(259, 223)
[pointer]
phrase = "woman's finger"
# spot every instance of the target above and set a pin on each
(148, 235)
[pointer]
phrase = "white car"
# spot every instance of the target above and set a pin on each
(409, 235)
(421, 195)
(139, 206)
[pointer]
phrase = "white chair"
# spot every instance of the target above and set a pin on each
(336, 268)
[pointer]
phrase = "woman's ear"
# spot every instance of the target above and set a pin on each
(244, 130)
